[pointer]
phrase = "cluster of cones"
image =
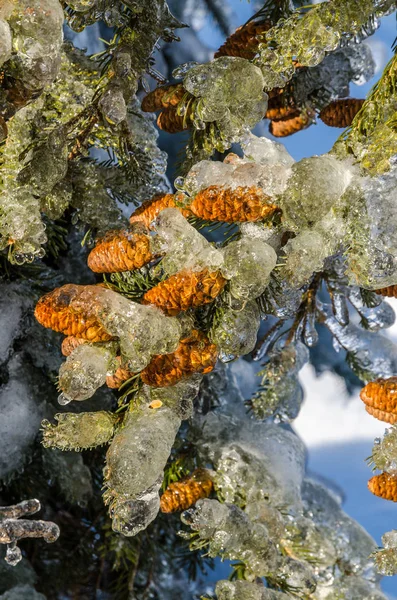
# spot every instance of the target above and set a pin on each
(380, 399)
(127, 250)
(176, 105)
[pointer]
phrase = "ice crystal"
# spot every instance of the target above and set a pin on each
(372, 356)
(5, 42)
(78, 431)
(134, 465)
(13, 528)
(280, 393)
(231, 534)
(235, 331)
(386, 558)
(37, 38)
(248, 264)
(84, 371)
(143, 331)
(244, 590)
(384, 452)
(306, 39)
(229, 91)
(314, 187)
(185, 248)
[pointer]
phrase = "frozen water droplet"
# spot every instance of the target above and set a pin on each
(178, 183)
(181, 70)
(13, 554)
(63, 400)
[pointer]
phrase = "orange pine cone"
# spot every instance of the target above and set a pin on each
(195, 354)
(187, 289)
(340, 113)
(244, 42)
(281, 113)
(149, 210)
(381, 415)
(55, 311)
(380, 398)
(384, 486)
(389, 292)
(182, 494)
(120, 250)
(70, 343)
(163, 97)
(284, 128)
(119, 377)
(169, 121)
(216, 203)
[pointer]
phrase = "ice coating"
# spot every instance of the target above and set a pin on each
(85, 370)
(48, 164)
(5, 42)
(134, 467)
(230, 92)
(315, 185)
(235, 331)
(375, 318)
(373, 355)
(185, 248)
(113, 107)
(264, 151)
(245, 590)
(254, 460)
(386, 558)
(373, 256)
(232, 535)
(280, 394)
(248, 264)
(22, 226)
(306, 254)
(78, 431)
(256, 479)
(179, 397)
(206, 173)
(380, 194)
(384, 452)
(143, 331)
(351, 587)
(306, 39)
(253, 170)
(331, 78)
(308, 542)
(37, 38)
(352, 543)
